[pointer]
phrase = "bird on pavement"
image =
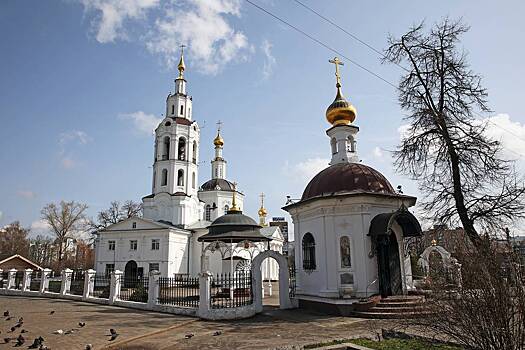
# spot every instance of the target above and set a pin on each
(7, 340)
(217, 333)
(88, 347)
(188, 336)
(52, 312)
(113, 333)
(6, 313)
(81, 324)
(37, 343)
(20, 340)
(23, 331)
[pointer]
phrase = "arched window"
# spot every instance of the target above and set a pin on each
(180, 177)
(193, 180)
(351, 144)
(346, 257)
(194, 152)
(181, 109)
(172, 109)
(308, 252)
(226, 208)
(166, 148)
(207, 213)
(333, 143)
(182, 149)
(164, 180)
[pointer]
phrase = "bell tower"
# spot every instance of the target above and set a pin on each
(175, 164)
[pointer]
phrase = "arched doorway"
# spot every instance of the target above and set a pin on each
(284, 283)
(130, 273)
(389, 267)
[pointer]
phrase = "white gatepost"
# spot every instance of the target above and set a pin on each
(89, 283)
(44, 281)
(66, 281)
(27, 280)
(1, 278)
(153, 288)
(114, 287)
(204, 294)
(11, 279)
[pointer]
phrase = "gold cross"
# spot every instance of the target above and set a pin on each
(262, 199)
(337, 63)
(219, 125)
(182, 48)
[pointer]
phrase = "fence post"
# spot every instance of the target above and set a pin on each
(44, 281)
(153, 288)
(89, 283)
(66, 281)
(204, 294)
(114, 287)
(1, 278)
(26, 282)
(11, 279)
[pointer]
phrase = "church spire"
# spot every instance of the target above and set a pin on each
(181, 67)
(262, 212)
(218, 164)
(340, 112)
(180, 82)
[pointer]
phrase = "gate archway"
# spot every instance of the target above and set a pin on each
(284, 282)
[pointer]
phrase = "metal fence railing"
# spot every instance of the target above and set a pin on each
(134, 288)
(3, 279)
(180, 290)
(293, 282)
(231, 290)
(101, 286)
(36, 277)
(77, 283)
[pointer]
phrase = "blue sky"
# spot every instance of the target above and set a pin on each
(82, 82)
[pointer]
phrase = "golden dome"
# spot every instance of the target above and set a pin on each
(218, 141)
(262, 211)
(340, 112)
(182, 66)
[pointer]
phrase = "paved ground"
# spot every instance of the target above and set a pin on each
(273, 329)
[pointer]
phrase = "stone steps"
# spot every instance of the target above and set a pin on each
(397, 307)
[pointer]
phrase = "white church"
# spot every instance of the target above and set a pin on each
(178, 210)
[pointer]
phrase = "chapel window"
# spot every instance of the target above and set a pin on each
(194, 152)
(173, 109)
(155, 244)
(181, 109)
(180, 177)
(346, 257)
(164, 181)
(308, 252)
(182, 149)
(193, 180)
(207, 213)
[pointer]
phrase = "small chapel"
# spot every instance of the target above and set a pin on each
(178, 212)
(350, 225)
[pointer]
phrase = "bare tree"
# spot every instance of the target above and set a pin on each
(459, 169)
(13, 240)
(65, 220)
(42, 250)
(116, 213)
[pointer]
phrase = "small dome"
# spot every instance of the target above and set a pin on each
(347, 177)
(218, 185)
(340, 112)
(218, 141)
(262, 211)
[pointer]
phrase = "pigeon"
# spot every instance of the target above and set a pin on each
(52, 312)
(13, 329)
(23, 331)
(37, 343)
(7, 340)
(58, 331)
(188, 336)
(6, 313)
(21, 320)
(71, 331)
(8, 318)
(88, 347)
(217, 333)
(18, 325)
(81, 324)
(20, 340)
(114, 334)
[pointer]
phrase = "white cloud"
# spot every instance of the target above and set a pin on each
(377, 152)
(111, 16)
(269, 59)
(302, 172)
(65, 140)
(26, 194)
(142, 122)
(39, 227)
(202, 25)
(74, 135)
(510, 134)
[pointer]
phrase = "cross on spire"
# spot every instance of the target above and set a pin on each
(337, 62)
(219, 125)
(262, 199)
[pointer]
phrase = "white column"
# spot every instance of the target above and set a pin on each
(114, 288)
(66, 281)
(11, 279)
(44, 281)
(27, 280)
(153, 288)
(89, 283)
(204, 294)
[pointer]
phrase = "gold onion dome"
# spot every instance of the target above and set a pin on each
(182, 66)
(262, 211)
(340, 112)
(218, 141)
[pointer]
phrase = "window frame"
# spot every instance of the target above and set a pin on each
(133, 244)
(155, 244)
(112, 245)
(308, 250)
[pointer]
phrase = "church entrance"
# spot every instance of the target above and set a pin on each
(130, 273)
(389, 267)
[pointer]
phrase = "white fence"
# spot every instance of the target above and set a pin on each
(149, 290)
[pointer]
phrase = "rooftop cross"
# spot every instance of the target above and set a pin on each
(219, 125)
(337, 63)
